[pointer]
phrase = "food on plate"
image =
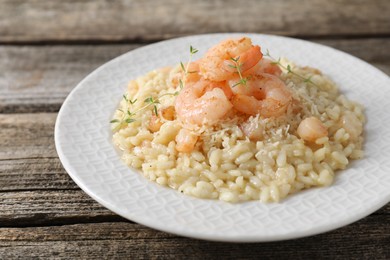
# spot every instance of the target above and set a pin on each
(237, 125)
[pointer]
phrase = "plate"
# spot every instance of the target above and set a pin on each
(84, 145)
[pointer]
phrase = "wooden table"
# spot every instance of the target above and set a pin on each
(47, 47)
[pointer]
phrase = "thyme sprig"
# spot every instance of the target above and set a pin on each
(237, 66)
(185, 68)
(289, 69)
(128, 116)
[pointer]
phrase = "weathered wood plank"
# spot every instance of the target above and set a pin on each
(80, 232)
(31, 208)
(44, 20)
(27, 136)
(38, 78)
(366, 239)
(34, 174)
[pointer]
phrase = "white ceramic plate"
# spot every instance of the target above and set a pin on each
(83, 142)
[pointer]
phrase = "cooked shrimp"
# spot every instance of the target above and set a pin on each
(154, 124)
(264, 66)
(249, 89)
(216, 64)
(195, 105)
(253, 130)
(268, 66)
(222, 85)
(264, 94)
(191, 76)
(168, 113)
(193, 72)
(311, 128)
(185, 141)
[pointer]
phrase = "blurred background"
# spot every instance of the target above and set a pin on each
(48, 46)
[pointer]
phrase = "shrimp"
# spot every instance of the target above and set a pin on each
(225, 88)
(264, 94)
(185, 141)
(252, 129)
(264, 66)
(193, 72)
(268, 66)
(155, 123)
(216, 65)
(168, 113)
(196, 105)
(249, 89)
(311, 128)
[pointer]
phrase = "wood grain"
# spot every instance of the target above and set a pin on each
(32, 208)
(27, 136)
(366, 239)
(121, 20)
(29, 174)
(38, 78)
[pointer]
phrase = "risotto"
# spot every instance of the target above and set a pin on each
(238, 125)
